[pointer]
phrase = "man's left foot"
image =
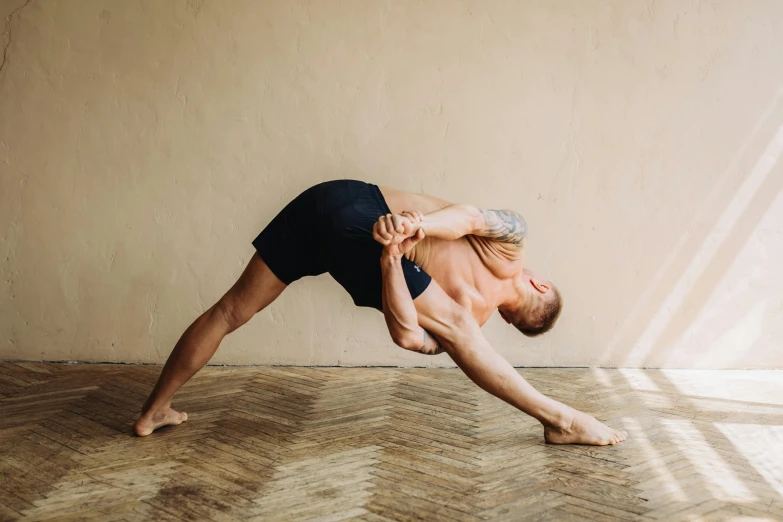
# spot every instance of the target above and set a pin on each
(584, 429)
(152, 420)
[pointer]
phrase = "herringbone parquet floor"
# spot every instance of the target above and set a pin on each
(386, 444)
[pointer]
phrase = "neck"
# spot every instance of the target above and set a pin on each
(512, 296)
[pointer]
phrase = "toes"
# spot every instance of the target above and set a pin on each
(184, 416)
(619, 436)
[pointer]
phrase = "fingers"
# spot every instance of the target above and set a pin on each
(391, 226)
(397, 223)
(415, 238)
(385, 229)
(380, 232)
(411, 241)
(413, 221)
(414, 215)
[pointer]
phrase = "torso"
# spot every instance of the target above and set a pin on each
(458, 266)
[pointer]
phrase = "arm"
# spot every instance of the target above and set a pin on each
(461, 337)
(455, 221)
(399, 311)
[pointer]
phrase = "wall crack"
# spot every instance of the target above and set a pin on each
(8, 33)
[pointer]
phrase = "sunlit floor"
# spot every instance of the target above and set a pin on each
(386, 444)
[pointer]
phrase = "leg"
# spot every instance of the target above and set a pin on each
(256, 288)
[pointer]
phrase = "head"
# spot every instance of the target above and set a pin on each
(537, 307)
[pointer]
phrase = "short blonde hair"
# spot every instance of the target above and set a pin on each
(542, 315)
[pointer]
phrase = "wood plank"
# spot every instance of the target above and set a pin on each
(377, 445)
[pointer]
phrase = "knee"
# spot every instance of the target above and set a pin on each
(231, 313)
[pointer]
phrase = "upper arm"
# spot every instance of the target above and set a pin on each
(444, 318)
(503, 225)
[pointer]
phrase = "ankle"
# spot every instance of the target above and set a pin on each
(150, 408)
(561, 418)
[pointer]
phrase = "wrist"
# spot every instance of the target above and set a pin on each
(386, 257)
(423, 224)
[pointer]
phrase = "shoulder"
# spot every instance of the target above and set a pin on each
(443, 316)
(504, 226)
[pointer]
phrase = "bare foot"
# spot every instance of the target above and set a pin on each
(584, 429)
(152, 420)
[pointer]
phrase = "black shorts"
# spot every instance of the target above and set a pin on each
(328, 228)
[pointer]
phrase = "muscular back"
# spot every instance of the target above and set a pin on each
(466, 268)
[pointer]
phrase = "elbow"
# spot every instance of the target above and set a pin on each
(408, 341)
(476, 218)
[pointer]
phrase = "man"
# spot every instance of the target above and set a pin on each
(384, 247)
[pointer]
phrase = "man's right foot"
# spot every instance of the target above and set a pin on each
(584, 429)
(152, 420)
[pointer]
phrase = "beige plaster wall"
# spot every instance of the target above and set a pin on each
(143, 144)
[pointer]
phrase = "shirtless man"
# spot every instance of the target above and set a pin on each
(384, 247)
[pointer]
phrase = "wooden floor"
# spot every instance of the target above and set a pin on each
(386, 444)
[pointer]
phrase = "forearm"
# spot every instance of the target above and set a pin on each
(452, 222)
(400, 312)
(491, 372)
(398, 308)
(456, 221)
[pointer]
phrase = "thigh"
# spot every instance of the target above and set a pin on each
(255, 289)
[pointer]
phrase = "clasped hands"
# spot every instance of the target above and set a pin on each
(399, 233)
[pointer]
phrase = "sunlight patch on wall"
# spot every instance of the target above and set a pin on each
(680, 291)
(730, 346)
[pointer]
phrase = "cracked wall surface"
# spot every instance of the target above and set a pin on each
(143, 145)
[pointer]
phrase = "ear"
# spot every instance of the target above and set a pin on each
(503, 316)
(539, 285)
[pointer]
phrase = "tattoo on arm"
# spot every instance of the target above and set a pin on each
(430, 345)
(505, 226)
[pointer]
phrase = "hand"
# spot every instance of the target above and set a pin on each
(414, 215)
(399, 233)
(391, 225)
